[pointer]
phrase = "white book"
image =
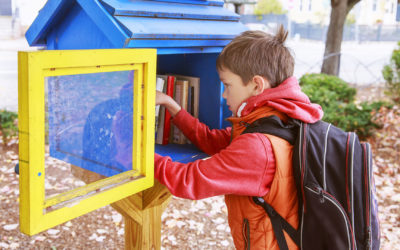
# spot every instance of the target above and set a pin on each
(159, 86)
(160, 111)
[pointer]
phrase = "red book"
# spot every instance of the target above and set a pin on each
(167, 119)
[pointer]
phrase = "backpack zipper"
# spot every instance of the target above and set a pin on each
(329, 197)
(325, 149)
(302, 152)
(352, 180)
(301, 146)
(347, 171)
(351, 137)
(367, 179)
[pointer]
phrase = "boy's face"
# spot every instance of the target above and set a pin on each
(235, 91)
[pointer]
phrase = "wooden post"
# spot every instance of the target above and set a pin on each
(142, 212)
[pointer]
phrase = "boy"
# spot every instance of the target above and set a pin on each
(256, 70)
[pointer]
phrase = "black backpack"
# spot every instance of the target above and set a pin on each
(335, 187)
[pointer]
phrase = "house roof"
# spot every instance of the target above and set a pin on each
(146, 23)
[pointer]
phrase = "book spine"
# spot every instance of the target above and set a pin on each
(176, 134)
(184, 105)
(159, 87)
(160, 128)
(167, 119)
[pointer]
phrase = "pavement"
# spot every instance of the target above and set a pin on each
(9, 71)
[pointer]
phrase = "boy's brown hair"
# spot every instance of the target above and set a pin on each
(258, 53)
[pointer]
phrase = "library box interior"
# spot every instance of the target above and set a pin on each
(188, 36)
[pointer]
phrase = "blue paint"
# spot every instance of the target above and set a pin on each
(161, 9)
(134, 24)
(73, 33)
(200, 2)
(169, 28)
(203, 66)
(40, 174)
(181, 44)
(189, 50)
(51, 13)
(109, 26)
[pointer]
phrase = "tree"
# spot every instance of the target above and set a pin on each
(339, 11)
(239, 3)
(269, 7)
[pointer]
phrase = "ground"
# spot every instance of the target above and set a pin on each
(187, 224)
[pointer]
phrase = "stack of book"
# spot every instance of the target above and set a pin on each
(185, 91)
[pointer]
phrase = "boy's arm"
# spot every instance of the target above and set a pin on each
(209, 141)
(245, 167)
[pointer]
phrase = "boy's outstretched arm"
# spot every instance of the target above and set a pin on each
(239, 169)
(210, 141)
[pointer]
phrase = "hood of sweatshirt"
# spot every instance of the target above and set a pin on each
(286, 98)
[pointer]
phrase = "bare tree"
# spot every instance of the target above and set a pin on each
(340, 9)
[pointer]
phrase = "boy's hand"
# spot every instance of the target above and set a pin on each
(167, 101)
(161, 98)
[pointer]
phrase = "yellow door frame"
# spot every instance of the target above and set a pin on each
(33, 68)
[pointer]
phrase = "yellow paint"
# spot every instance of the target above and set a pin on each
(34, 67)
(92, 187)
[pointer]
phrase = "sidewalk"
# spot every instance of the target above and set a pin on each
(15, 44)
(9, 71)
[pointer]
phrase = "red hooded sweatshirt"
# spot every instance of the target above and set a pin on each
(244, 166)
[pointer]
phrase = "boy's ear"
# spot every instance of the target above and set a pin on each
(260, 84)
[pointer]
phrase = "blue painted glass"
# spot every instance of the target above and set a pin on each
(90, 120)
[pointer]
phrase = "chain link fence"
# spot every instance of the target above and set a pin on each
(353, 32)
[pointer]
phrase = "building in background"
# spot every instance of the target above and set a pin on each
(398, 12)
(371, 12)
(5, 8)
(17, 15)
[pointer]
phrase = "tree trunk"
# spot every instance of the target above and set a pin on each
(340, 8)
(237, 7)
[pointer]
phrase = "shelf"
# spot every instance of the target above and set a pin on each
(183, 153)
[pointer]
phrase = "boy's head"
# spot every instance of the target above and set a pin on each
(252, 62)
(258, 53)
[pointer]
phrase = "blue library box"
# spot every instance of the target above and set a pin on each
(188, 36)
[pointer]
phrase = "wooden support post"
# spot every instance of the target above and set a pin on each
(142, 212)
(148, 234)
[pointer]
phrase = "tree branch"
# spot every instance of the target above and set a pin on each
(350, 4)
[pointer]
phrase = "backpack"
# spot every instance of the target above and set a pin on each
(335, 187)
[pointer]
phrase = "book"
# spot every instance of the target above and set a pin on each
(181, 97)
(167, 116)
(161, 116)
(185, 91)
(193, 94)
(159, 87)
(160, 126)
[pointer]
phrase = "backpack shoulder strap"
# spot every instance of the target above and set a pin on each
(279, 224)
(289, 131)
(274, 126)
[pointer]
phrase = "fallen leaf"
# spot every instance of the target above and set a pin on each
(10, 227)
